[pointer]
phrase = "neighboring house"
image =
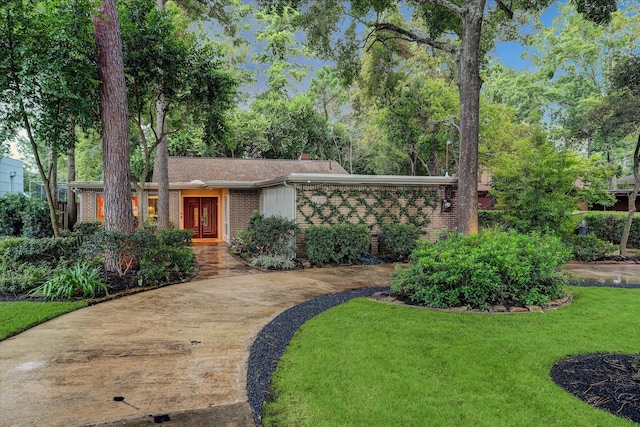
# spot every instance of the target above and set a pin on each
(11, 176)
(215, 197)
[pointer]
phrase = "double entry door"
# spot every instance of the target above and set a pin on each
(201, 216)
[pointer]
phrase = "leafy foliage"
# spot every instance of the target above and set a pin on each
(480, 270)
(274, 262)
(589, 247)
(535, 185)
(158, 255)
(22, 216)
(338, 243)
(271, 236)
(609, 227)
(399, 239)
(79, 281)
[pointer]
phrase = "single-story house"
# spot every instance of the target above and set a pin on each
(215, 197)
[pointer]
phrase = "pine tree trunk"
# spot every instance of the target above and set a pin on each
(118, 212)
(469, 85)
(72, 208)
(632, 199)
(161, 165)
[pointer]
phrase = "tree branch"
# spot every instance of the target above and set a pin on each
(446, 4)
(506, 9)
(411, 36)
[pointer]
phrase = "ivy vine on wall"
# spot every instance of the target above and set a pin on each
(326, 205)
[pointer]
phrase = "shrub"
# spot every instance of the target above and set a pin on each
(176, 238)
(492, 219)
(399, 239)
(79, 281)
(118, 245)
(338, 243)
(588, 248)
(87, 228)
(274, 262)
(36, 222)
(21, 216)
(609, 227)
(273, 236)
(351, 241)
(21, 278)
(320, 243)
(49, 251)
(495, 267)
(158, 263)
(157, 255)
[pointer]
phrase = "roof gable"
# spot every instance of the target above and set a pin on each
(207, 169)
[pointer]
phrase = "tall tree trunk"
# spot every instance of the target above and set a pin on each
(632, 200)
(114, 114)
(53, 175)
(161, 165)
(469, 85)
(72, 208)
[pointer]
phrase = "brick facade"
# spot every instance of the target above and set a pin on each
(242, 203)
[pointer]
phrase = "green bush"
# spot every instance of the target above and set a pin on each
(272, 235)
(22, 216)
(399, 239)
(49, 251)
(494, 267)
(320, 244)
(589, 247)
(609, 227)
(492, 219)
(158, 263)
(338, 243)
(158, 255)
(26, 263)
(21, 278)
(176, 238)
(87, 228)
(79, 281)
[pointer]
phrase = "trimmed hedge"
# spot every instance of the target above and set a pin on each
(337, 244)
(609, 227)
(399, 239)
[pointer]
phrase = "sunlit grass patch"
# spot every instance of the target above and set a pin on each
(374, 364)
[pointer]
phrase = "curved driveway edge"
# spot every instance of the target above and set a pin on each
(179, 351)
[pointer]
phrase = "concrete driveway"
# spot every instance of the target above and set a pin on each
(177, 353)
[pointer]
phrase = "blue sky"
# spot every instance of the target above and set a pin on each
(510, 52)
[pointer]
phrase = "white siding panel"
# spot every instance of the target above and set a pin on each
(280, 200)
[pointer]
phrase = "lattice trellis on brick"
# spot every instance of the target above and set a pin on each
(372, 206)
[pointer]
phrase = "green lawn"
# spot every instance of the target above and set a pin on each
(15, 317)
(366, 363)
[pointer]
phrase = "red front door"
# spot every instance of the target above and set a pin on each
(201, 216)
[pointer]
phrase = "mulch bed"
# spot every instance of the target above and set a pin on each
(602, 380)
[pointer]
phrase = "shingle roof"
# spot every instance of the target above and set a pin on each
(207, 169)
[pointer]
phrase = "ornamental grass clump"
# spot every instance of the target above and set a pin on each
(492, 268)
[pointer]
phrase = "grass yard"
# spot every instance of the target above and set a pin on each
(366, 363)
(16, 317)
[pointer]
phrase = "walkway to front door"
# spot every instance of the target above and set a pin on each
(201, 216)
(214, 260)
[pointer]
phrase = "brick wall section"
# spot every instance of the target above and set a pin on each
(88, 211)
(375, 205)
(174, 208)
(242, 204)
